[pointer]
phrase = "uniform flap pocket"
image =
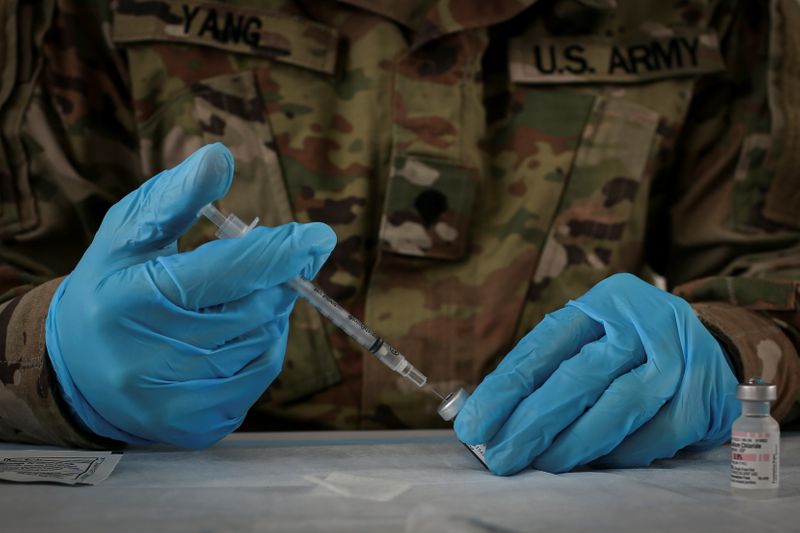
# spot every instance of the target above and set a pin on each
(782, 201)
(229, 109)
(592, 59)
(428, 208)
(234, 29)
(8, 49)
(24, 26)
(590, 231)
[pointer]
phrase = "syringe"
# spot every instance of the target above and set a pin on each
(232, 226)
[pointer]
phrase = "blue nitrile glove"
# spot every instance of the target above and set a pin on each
(622, 376)
(150, 345)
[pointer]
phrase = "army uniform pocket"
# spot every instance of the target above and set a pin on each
(24, 26)
(428, 208)
(193, 71)
(595, 209)
(766, 193)
(228, 109)
(599, 224)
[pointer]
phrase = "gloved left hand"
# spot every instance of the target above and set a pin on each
(622, 376)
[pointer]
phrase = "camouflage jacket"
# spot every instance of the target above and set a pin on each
(481, 163)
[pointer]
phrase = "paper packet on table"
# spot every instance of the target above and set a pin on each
(70, 467)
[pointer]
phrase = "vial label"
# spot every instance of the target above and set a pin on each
(479, 451)
(754, 460)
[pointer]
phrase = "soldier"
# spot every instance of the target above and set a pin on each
(482, 165)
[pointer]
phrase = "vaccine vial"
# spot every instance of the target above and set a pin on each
(755, 441)
(448, 410)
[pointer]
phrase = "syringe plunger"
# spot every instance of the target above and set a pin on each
(227, 227)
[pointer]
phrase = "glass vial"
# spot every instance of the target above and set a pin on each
(448, 410)
(755, 441)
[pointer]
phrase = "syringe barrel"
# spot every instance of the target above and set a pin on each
(358, 331)
(335, 313)
(231, 226)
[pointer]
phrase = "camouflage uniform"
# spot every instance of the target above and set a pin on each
(481, 163)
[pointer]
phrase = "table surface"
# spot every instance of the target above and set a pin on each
(415, 481)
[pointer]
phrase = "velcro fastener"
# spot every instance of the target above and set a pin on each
(428, 208)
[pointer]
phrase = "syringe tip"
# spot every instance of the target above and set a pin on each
(415, 376)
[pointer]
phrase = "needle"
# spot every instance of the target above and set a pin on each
(433, 391)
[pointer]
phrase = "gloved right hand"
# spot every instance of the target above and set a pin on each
(151, 345)
(622, 376)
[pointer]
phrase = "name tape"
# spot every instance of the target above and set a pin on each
(231, 28)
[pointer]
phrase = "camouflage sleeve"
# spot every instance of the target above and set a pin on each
(735, 203)
(68, 151)
(31, 409)
(757, 347)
